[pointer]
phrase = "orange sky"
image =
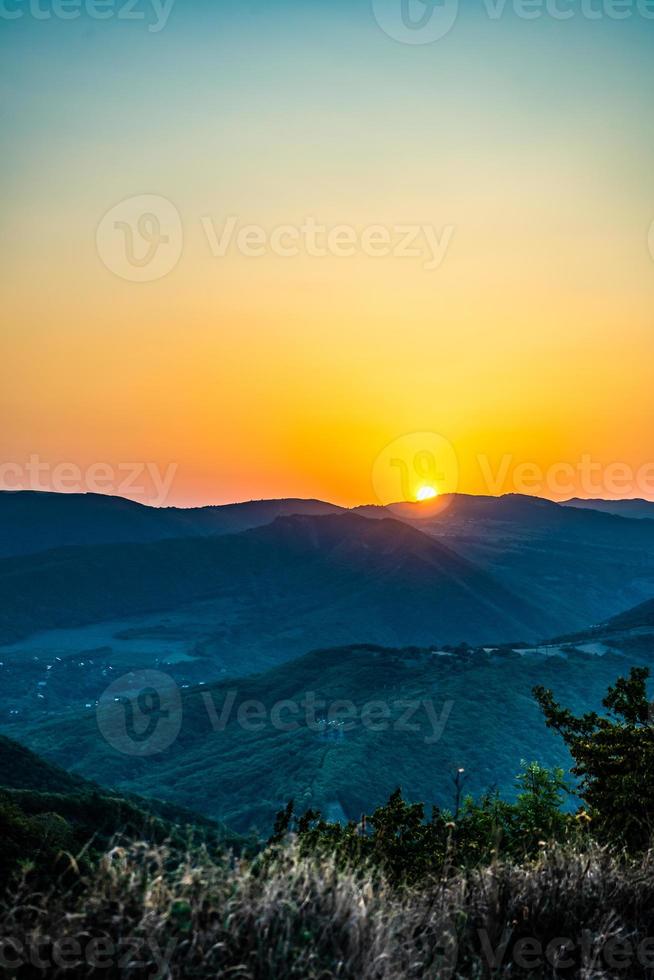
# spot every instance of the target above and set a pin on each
(531, 342)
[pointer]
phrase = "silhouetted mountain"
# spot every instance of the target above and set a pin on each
(576, 565)
(349, 578)
(622, 508)
(581, 565)
(32, 521)
(232, 518)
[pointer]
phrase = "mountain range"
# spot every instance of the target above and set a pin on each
(635, 508)
(348, 579)
(449, 602)
(32, 520)
(572, 566)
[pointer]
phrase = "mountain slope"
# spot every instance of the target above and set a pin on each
(47, 814)
(639, 618)
(350, 578)
(297, 731)
(32, 521)
(582, 565)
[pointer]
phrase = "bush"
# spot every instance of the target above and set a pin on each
(397, 839)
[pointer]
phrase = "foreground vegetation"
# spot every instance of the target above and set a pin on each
(576, 913)
(491, 889)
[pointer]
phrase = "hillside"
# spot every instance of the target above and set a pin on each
(639, 618)
(46, 812)
(482, 717)
(33, 521)
(575, 563)
(345, 577)
(581, 565)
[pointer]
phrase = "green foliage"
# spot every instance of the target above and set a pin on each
(614, 759)
(47, 829)
(539, 802)
(397, 839)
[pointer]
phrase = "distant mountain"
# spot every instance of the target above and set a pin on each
(231, 518)
(577, 566)
(635, 508)
(429, 712)
(32, 521)
(338, 578)
(581, 565)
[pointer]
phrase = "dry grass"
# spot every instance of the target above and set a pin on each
(145, 914)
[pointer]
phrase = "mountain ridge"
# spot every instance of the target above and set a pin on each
(404, 582)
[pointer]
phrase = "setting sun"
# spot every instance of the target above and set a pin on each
(426, 493)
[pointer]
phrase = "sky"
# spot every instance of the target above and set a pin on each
(282, 248)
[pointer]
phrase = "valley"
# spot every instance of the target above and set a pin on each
(419, 604)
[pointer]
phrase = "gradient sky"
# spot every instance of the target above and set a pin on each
(533, 341)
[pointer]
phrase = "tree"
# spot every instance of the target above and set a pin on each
(538, 804)
(614, 758)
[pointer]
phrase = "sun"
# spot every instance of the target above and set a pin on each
(426, 493)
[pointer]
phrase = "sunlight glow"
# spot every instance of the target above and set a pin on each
(426, 493)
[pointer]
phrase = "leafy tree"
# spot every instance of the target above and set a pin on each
(538, 806)
(614, 758)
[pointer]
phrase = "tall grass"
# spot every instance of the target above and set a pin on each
(145, 913)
